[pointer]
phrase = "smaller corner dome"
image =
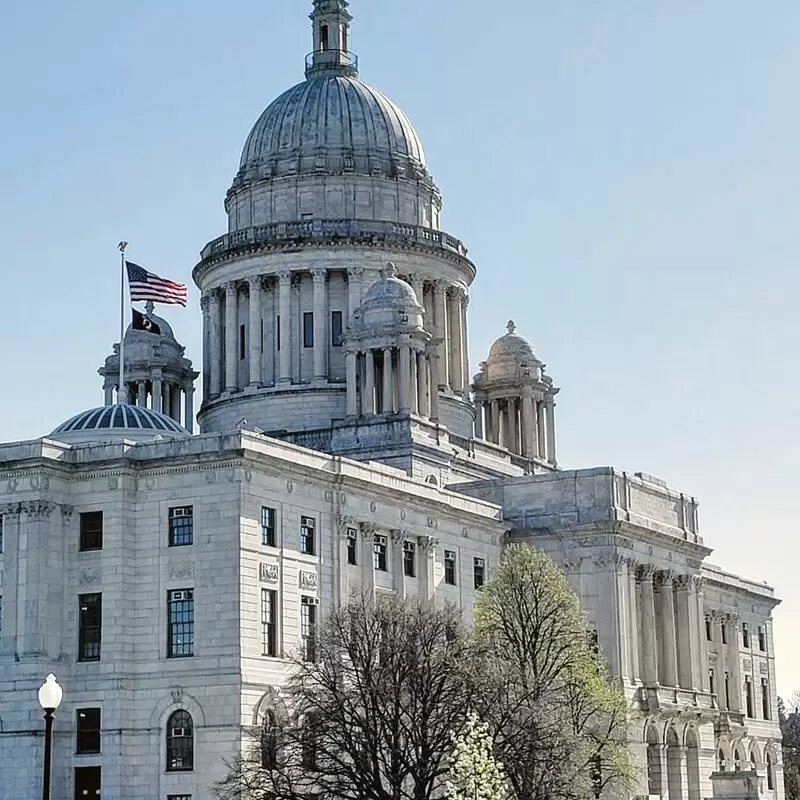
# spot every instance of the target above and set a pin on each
(389, 292)
(164, 329)
(116, 422)
(512, 347)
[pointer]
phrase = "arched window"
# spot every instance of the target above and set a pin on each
(180, 742)
(737, 760)
(674, 764)
(722, 764)
(693, 764)
(654, 773)
(269, 742)
(770, 778)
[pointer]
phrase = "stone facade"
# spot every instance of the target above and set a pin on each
(164, 577)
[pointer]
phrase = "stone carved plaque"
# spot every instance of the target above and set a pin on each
(180, 571)
(89, 576)
(268, 573)
(762, 667)
(308, 580)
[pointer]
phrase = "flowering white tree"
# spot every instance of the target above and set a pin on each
(474, 774)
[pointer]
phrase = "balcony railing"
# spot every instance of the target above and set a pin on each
(310, 230)
(331, 60)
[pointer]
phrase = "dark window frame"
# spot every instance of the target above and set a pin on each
(745, 636)
(180, 623)
(308, 329)
(95, 773)
(748, 696)
(709, 630)
(762, 638)
(711, 681)
(727, 691)
(1, 534)
(380, 559)
(409, 559)
(723, 632)
(308, 627)
(90, 626)
(352, 547)
(88, 727)
(308, 536)
(278, 332)
(269, 533)
(478, 572)
(269, 741)
(450, 568)
(180, 741)
(181, 526)
(337, 328)
(269, 623)
(765, 700)
(242, 342)
(90, 536)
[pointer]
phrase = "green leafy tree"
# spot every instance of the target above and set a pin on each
(789, 719)
(474, 773)
(560, 728)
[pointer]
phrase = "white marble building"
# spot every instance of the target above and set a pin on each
(163, 576)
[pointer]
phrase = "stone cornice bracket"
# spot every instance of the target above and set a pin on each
(66, 513)
(645, 572)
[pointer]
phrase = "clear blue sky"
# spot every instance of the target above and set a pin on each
(625, 174)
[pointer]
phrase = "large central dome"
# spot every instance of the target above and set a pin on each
(332, 123)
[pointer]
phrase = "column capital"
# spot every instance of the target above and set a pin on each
(205, 303)
(231, 287)
(255, 282)
(665, 577)
(284, 277)
(427, 543)
(684, 582)
(319, 274)
(645, 573)
(355, 273)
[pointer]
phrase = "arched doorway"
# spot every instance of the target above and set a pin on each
(693, 764)
(674, 764)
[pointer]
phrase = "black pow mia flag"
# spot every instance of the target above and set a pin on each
(141, 322)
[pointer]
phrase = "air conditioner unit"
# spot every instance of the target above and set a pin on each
(181, 512)
(311, 601)
(185, 594)
(179, 733)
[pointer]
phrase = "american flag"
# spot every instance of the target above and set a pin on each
(148, 286)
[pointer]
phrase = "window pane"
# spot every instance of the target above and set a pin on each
(180, 742)
(308, 329)
(479, 566)
(450, 567)
(336, 328)
(409, 558)
(308, 622)
(90, 620)
(352, 547)
(181, 526)
(268, 536)
(88, 726)
(91, 530)
(268, 623)
(307, 525)
(180, 627)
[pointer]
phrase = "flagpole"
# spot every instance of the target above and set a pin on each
(122, 392)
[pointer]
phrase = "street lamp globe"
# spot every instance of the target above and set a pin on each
(50, 694)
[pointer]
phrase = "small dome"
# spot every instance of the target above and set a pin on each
(390, 292)
(165, 329)
(334, 122)
(512, 347)
(118, 422)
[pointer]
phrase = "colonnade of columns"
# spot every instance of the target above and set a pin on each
(446, 319)
(666, 609)
(524, 425)
(389, 379)
(727, 668)
(169, 397)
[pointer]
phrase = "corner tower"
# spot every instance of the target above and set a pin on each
(332, 184)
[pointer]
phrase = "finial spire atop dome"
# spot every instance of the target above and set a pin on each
(331, 55)
(511, 326)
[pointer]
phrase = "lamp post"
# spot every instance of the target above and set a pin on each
(50, 694)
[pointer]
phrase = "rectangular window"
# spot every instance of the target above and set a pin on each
(727, 692)
(723, 630)
(748, 691)
(278, 332)
(242, 341)
(308, 329)
(711, 686)
(745, 636)
(352, 546)
(179, 797)
(450, 567)
(180, 623)
(308, 627)
(762, 637)
(307, 528)
(87, 782)
(379, 560)
(337, 332)
(1, 534)
(409, 559)
(88, 731)
(478, 572)
(764, 699)
(181, 526)
(91, 531)
(90, 624)
(269, 627)
(268, 532)
(708, 629)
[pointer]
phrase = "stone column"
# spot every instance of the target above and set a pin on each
(352, 392)
(215, 345)
(541, 425)
(231, 337)
(285, 306)
(649, 665)
(668, 641)
(440, 305)
(528, 427)
(732, 660)
(366, 565)
(369, 389)
(108, 397)
(141, 396)
(157, 391)
(495, 421)
(686, 633)
(255, 330)
(479, 418)
(433, 391)
(320, 324)
(166, 398)
(396, 563)
(454, 336)
(404, 381)
(633, 611)
(205, 306)
(422, 386)
(502, 426)
(701, 634)
(427, 555)
(513, 432)
(354, 280)
(417, 282)
(176, 403)
(413, 392)
(387, 393)
(188, 411)
(551, 431)
(464, 302)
